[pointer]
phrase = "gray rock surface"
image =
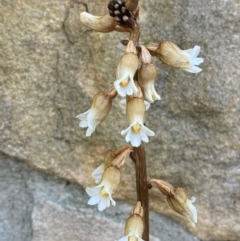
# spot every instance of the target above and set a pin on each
(51, 66)
(38, 207)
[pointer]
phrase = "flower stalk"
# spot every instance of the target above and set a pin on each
(138, 156)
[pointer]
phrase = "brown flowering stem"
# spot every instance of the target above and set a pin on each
(135, 34)
(139, 158)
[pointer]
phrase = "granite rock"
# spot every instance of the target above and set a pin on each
(38, 207)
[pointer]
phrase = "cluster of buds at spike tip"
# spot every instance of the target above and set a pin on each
(135, 110)
(109, 173)
(170, 54)
(147, 75)
(101, 106)
(121, 14)
(177, 200)
(134, 225)
(115, 157)
(126, 70)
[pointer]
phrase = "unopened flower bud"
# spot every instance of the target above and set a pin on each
(104, 23)
(172, 55)
(100, 109)
(126, 69)
(134, 226)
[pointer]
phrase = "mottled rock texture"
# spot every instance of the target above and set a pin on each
(51, 66)
(38, 207)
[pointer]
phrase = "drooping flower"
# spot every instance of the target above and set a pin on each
(172, 55)
(180, 204)
(177, 199)
(134, 225)
(112, 157)
(126, 69)
(147, 75)
(102, 193)
(137, 131)
(101, 106)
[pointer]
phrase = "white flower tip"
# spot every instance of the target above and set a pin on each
(101, 208)
(196, 50)
(193, 199)
(192, 211)
(89, 132)
(147, 104)
(193, 224)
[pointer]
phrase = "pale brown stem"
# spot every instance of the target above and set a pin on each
(135, 34)
(139, 158)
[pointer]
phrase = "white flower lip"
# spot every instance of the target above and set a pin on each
(194, 60)
(103, 201)
(136, 131)
(88, 119)
(128, 89)
(192, 211)
(98, 172)
(135, 138)
(150, 93)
